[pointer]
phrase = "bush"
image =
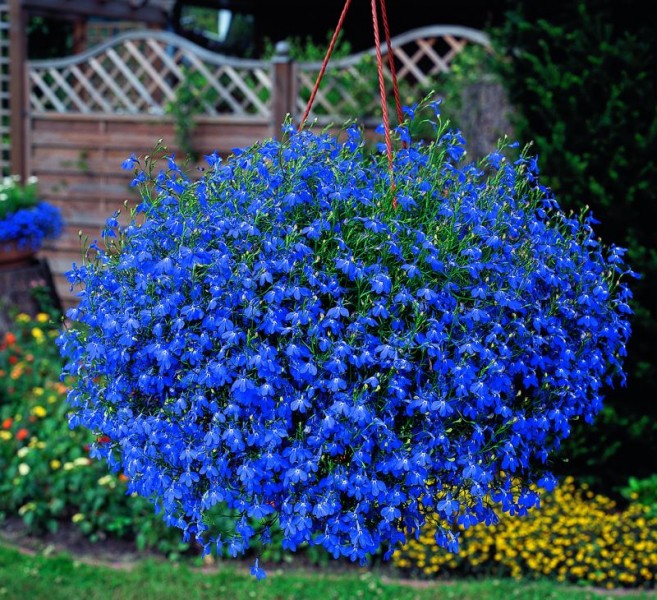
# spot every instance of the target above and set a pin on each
(280, 337)
(47, 475)
(575, 536)
(581, 78)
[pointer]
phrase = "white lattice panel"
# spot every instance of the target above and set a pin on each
(140, 71)
(350, 86)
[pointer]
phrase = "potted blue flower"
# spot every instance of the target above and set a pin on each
(25, 221)
(295, 342)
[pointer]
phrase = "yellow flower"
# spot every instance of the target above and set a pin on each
(5, 435)
(39, 411)
(38, 391)
(42, 318)
(37, 334)
(77, 517)
(55, 464)
(23, 318)
(52, 399)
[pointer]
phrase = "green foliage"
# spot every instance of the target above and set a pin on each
(14, 196)
(581, 77)
(192, 97)
(47, 475)
(308, 50)
(642, 491)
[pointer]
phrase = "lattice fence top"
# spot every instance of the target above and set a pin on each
(139, 72)
(349, 87)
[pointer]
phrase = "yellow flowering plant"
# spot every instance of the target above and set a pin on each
(575, 536)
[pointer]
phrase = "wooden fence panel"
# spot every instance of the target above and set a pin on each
(77, 159)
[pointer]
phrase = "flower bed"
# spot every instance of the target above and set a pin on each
(47, 475)
(294, 339)
(575, 536)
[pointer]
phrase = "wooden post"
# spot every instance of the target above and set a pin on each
(17, 85)
(79, 36)
(284, 88)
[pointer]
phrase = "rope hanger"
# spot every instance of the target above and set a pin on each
(379, 64)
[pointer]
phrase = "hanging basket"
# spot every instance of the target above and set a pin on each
(278, 343)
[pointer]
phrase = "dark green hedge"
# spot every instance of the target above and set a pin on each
(582, 77)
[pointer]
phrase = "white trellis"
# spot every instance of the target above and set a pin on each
(349, 87)
(139, 72)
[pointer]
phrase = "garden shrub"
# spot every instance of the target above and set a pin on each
(580, 76)
(293, 339)
(47, 477)
(575, 536)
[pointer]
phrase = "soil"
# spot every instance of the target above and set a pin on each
(115, 553)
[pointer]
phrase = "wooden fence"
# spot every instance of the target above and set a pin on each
(86, 113)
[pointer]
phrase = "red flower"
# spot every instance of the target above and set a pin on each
(103, 439)
(13, 360)
(22, 433)
(7, 423)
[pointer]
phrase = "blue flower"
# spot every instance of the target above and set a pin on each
(275, 341)
(257, 571)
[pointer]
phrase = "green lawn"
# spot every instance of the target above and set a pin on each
(54, 577)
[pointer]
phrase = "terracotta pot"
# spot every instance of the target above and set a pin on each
(12, 256)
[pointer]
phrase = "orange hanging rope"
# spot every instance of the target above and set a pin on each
(334, 39)
(384, 104)
(391, 62)
(382, 86)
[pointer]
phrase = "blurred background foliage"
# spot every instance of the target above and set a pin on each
(581, 78)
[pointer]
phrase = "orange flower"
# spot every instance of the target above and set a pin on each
(22, 433)
(7, 423)
(123, 477)
(10, 338)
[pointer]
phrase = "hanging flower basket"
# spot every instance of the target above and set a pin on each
(277, 341)
(25, 222)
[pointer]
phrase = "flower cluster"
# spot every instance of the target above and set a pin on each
(292, 337)
(575, 536)
(24, 220)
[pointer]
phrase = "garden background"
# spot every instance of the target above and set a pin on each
(580, 80)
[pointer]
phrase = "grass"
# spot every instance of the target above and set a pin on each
(63, 577)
